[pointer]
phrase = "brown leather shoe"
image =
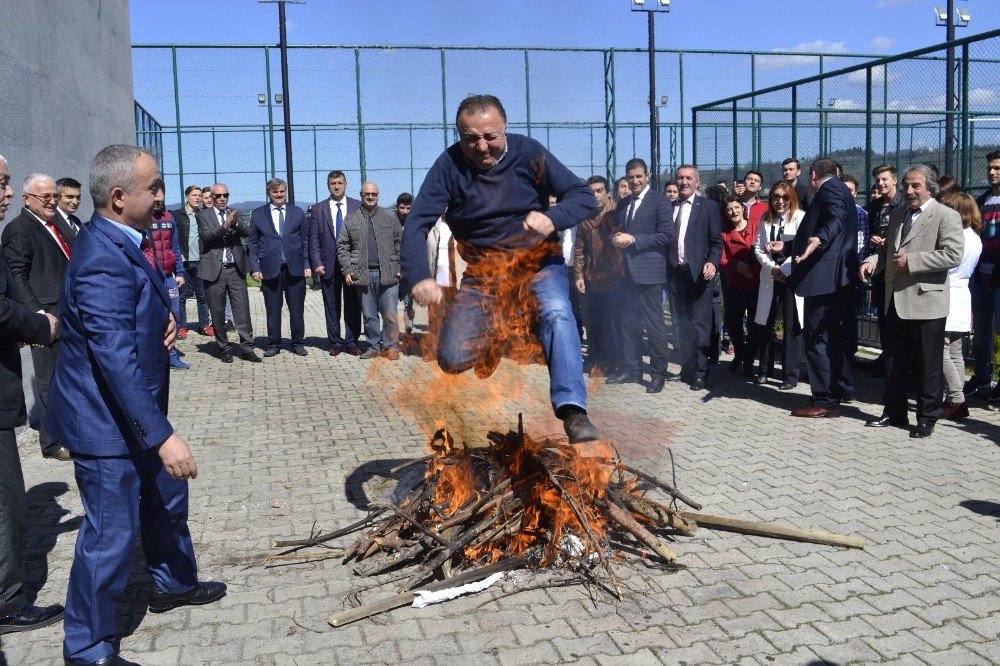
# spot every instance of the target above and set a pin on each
(815, 412)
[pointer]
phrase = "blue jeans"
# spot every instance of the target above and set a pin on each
(983, 309)
(175, 305)
(194, 286)
(468, 332)
(375, 300)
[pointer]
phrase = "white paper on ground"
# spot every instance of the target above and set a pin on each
(426, 597)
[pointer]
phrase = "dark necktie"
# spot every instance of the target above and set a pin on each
(59, 239)
(147, 251)
(281, 229)
(340, 218)
(908, 224)
(227, 250)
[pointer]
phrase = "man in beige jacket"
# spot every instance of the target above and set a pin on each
(924, 242)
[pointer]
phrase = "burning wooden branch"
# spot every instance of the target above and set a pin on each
(522, 503)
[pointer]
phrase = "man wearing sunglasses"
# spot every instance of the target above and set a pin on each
(224, 267)
(37, 245)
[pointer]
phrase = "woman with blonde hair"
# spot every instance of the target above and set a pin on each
(773, 250)
(959, 321)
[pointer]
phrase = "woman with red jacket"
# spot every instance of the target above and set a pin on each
(740, 281)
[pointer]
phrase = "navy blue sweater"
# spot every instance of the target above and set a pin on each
(487, 208)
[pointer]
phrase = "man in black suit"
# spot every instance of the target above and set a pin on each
(278, 244)
(694, 261)
(824, 268)
(327, 222)
(67, 202)
(224, 268)
(645, 233)
(791, 171)
(18, 324)
(37, 246)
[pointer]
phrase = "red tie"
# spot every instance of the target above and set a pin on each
(147, 251)
(59, 238)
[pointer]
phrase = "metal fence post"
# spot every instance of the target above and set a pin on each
(680, 79)
(610, 121)
(868, 121)
(444, 102)
(795, 122)
(315, 165)
(177, 114)
(411, 160)
(527, 91)
(822, 116)
(967, 146)
(361, 127)
(736, 148)
(215, 158)
(694, 138)
(270, 107)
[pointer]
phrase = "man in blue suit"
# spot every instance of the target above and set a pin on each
(109, 405)
(823, 272)
(694, 260)
(645, 235)
(327, 221)
(278, 243)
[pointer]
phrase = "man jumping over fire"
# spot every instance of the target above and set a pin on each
(495, 188)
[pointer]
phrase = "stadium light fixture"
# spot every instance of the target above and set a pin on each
(261, 99)
(278, 98)
(963, 16)
(940, 16)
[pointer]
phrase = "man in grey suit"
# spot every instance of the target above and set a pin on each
(223, 269)
(924, 241)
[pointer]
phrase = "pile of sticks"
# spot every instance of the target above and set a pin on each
(522, 503)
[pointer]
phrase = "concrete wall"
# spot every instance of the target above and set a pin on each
(65, 86)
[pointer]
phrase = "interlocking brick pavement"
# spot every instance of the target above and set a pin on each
(297, 442)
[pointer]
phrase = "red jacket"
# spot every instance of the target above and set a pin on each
(737, 248)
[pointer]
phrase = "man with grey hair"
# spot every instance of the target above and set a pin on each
(924, 241)
(278, 245)
(109, 404)
(18, 325)
(37, 245)
(224, 269)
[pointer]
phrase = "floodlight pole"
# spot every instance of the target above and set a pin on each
(286, 103)
(949, 94)
(654, 160)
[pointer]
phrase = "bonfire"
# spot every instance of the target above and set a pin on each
(522, 503)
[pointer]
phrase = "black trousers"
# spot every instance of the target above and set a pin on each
(234, 284)
(910, 342)
(783, 303)
(13, 523)
(336, 296)
(293, 289)
(603, 336)
(44, 359)
(741, 308)
(641, 309)
(693, 325)
(828, 372)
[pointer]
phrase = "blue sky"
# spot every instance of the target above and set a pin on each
(404, 86)
(883, 26)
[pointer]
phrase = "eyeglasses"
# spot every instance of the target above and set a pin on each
(45, 198)
(780, 197)
(222, 195)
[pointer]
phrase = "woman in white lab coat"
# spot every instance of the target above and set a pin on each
(774, 297)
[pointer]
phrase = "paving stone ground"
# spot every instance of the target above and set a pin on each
(297, 443)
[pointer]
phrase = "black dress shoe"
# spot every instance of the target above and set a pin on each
(110, 660)
(656, 385)
(299, 350)
(199, 595)
(735, 364)
(760, 379)
(698, 385)
(336, 349)
(787, 385)
(250, 355)
(58, 452)
(226, 357)
(624, 378)
(30, 617)
(923, 429)
(885, 421)
(579, 428)
(271, 351)
(353, 350)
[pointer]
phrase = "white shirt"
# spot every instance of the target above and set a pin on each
(49, 230)
(913, 215)
(72, 225)
(568, 240)
(274, 217)
(682, 213)
(333, 212)
(636, 202)
(442, 276)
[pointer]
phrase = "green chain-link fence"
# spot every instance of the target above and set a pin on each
(889, 110)
(384, 113)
